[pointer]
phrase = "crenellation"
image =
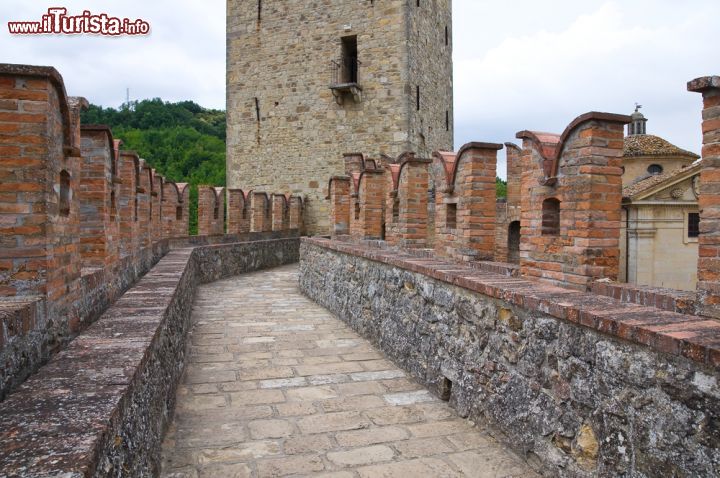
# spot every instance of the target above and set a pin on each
(129, 203)
(238, 212)
(280, 213)
(708, 267)
(260, 212)
(211, 210)
(97, 193)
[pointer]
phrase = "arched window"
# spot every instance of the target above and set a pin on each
(551, 217)
(64, 204)
(655, 169)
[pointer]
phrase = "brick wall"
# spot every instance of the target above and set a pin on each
(709, 200)
(128, 202)
(211, 210)
(156, 201)
(280, 212)
(366, 215)
(297, 214)
(578, 241)
(339, 196)
(238, 213)
(408, 209)
(465, 202)
(99, 219)
(144, 191)
(260, 212)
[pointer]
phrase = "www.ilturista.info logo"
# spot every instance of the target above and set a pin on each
(57, 21)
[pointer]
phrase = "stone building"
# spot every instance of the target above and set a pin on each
(306, 79)
(659, 238)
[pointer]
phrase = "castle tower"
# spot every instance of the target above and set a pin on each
(308, 81)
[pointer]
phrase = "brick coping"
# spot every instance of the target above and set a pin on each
(694, 337)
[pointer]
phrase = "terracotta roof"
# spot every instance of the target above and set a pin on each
(650, 145)
(645, 183)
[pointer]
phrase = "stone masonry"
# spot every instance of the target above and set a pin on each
(277, 386)
(285, 124)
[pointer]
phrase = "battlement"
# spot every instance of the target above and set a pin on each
(82, 218)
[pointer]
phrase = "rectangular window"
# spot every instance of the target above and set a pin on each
(349, 60)
(447, 36)
(693, 224)
(451, 216)
(447, 120)
(417, 98)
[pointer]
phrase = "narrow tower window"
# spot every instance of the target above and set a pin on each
(64, 205)
(451, 216)
(447, 120)
(349, 59)
(447, 36)
(178, 213)
(551, 217)
(417, 98)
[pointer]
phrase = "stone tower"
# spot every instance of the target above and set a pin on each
(309, 80)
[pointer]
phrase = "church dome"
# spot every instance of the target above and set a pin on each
(651, 145)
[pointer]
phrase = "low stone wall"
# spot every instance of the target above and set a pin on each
(562, 374)
(101, 405)
(27, 344)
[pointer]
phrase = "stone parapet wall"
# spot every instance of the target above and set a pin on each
(85, 415)
(28, 344)
(580, 384)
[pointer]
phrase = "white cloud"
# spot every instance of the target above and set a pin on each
(543, 75)
(519, 64)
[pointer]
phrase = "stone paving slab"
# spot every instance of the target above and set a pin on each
(277, 386)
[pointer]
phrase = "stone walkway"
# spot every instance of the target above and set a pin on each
(277, 386)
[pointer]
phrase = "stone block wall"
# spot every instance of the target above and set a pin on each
(238, 212)
(403, 54)
(104, 417)
(571, 209)
(99, 219)
(580, 385)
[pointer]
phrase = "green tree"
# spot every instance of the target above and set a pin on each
(183, 141)
(500, 188)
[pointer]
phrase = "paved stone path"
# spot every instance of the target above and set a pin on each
(277, 386)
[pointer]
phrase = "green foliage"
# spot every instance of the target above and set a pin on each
(183, 141)
(500, 188)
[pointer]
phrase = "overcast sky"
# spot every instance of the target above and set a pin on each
(519, 64)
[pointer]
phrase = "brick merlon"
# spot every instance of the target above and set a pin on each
(550, 145)
(103, 128)
(335, 178)
(56, 79)
(704, 83)
(467, 147)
